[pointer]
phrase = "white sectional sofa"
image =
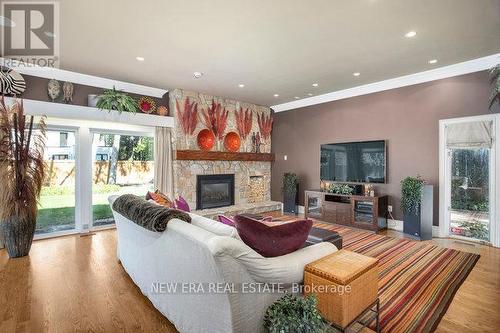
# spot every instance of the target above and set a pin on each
(206, 253)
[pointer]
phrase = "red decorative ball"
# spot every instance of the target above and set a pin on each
(232, 141)
(206, 139)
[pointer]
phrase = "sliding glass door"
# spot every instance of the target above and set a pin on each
(121, 163)
(56, 212)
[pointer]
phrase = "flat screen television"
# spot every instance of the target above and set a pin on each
(354, 162)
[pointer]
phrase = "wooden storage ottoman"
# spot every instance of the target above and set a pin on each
(345, 283)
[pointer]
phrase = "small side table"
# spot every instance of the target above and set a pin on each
(358, 325)
(346, 286)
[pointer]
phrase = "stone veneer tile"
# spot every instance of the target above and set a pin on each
(185, 171)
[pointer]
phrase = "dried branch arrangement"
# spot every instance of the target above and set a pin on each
(215, 119)
(265, 125)
(22, 168)
(244, 121)
(188, 116)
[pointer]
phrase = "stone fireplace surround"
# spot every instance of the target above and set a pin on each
(252, 185)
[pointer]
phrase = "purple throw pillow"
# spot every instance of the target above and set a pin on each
(226, 220)
(182, 204)
(272, 241)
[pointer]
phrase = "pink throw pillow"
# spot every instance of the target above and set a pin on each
(182, 204)
(226, 220)
(272, 241)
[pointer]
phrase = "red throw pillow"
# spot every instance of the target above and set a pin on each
(272, 241)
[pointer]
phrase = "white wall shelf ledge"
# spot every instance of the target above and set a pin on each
(78, 112)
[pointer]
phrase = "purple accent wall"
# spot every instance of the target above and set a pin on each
(406, 117)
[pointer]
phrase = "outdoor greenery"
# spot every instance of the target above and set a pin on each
(112, 99)
(136, 148)
(411, 194)
(292, 314)
(57, 204)
(474, 229)
(495, 81)
(469, 184)
(290, 182)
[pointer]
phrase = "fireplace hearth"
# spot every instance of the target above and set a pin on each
(214, 191)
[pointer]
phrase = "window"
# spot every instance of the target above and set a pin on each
(101, 157)
(63, 139)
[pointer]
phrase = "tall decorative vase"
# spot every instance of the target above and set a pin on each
(17, 234)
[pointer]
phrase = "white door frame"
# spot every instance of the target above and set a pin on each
(444, 186)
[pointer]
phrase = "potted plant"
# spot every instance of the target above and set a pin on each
(495, 81)
(21, 173)
(290, 192)
(294, 314)
(417, 218)
(112, 99)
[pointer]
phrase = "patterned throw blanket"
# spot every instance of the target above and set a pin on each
(146, 214)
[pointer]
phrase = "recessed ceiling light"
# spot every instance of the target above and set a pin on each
(410, 34)
(197, 75)
(241, 85)
(139, 58)
(433, 61)
(356, 73)
(276, 95)
(296, 97)
(310, 94)
(315, 84)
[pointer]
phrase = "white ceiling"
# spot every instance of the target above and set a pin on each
(273, 47)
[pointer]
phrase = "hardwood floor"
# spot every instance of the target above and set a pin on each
(75, 284)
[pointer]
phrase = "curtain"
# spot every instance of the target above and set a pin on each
(470, 134)
(164, 171)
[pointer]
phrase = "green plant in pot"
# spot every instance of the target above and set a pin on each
(21, 175)
(292, 314)
(290, 192)
(112, 99)
(412, 192)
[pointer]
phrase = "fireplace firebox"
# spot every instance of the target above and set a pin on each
(214, 191)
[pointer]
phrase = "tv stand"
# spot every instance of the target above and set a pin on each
(356, 211)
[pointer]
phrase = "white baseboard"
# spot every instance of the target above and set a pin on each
(395, 225)
(302, 209)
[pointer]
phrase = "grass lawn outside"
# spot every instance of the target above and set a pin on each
(57, 206)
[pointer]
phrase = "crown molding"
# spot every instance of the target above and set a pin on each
(461, 68)
(88, 80)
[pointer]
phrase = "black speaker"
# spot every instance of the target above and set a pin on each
(419, 226)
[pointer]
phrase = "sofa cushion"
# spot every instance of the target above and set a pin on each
(272, 241)
(146, 214)
(213, 226)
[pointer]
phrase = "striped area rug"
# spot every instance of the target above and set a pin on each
(417, 281)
